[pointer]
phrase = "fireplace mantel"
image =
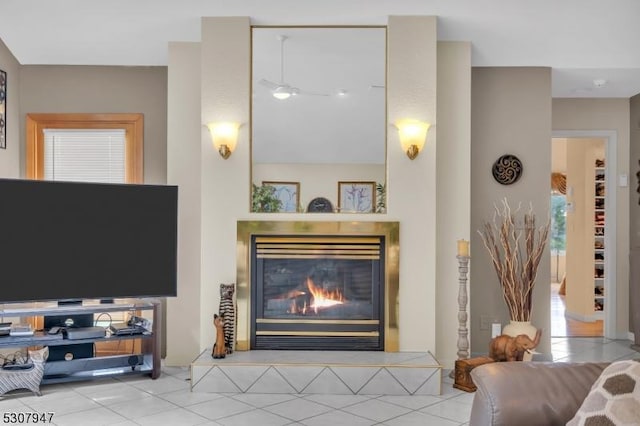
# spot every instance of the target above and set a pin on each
(387, 230)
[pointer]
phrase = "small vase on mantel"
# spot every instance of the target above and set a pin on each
(515, 328)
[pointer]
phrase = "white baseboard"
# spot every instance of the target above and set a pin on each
(581, 317)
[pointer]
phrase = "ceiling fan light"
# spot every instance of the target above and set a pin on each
(282, 93)
(281, 96)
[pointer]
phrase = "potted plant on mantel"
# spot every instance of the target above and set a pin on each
(264, 199)
(516, 249)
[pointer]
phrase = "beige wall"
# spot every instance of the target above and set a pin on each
(225, 66)
(411, 185)
(9, 157)
(72, 89)
(613, 115)
(634, 210)
(69, 89)
(634, 168)
(183, 169)
(453, 188)
(510, 114)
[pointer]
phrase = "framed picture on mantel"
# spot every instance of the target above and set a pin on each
(3, 109)
(288, 193)
(356, 197)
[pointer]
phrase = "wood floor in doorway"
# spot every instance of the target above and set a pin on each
(566, 327)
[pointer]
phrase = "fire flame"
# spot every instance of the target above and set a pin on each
(323, 298)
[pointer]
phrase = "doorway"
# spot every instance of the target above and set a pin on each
(582, 195)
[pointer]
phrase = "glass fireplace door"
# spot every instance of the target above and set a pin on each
(317, 293)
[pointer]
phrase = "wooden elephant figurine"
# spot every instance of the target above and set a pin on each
(507, 348)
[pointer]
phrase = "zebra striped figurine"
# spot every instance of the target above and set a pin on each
(228, 312)
(25, 379)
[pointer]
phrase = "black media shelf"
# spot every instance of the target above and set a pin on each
(146, 361)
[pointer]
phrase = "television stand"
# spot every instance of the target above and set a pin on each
(146, 360)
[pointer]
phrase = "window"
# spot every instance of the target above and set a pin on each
(53, 139)
(85, 147)
(558, 223)
(84, 155)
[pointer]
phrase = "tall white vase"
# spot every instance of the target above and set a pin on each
(515, 328)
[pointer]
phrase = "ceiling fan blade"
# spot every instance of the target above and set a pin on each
(268, 84)
(284, 87)
(308, 93)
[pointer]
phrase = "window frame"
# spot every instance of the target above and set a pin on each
(133, 125)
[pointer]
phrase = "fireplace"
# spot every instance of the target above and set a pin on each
(316, 292)
(314, 285)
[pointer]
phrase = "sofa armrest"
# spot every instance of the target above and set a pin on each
(530, 393)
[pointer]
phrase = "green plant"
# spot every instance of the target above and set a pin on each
(558, 223)
(381, 198)
(263, 199)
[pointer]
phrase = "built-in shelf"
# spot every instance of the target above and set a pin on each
(599, 229)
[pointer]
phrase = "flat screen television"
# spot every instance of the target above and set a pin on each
(71, 240)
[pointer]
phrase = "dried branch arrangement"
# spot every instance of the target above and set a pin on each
(516, 250)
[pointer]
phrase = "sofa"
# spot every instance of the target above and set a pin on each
(531, 393)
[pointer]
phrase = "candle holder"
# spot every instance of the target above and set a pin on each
(463, 340)
(463, 332)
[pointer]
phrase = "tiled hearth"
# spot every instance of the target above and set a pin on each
(318, 372)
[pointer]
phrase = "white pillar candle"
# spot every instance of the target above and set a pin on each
(463, 248)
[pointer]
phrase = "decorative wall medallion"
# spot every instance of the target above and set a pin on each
(3, 109)
(507, 169)
(638, 176)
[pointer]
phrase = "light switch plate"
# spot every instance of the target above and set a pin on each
(623, 180)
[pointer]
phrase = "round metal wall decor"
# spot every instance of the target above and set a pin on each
(507, 169)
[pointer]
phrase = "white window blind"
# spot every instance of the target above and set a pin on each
(85, 155)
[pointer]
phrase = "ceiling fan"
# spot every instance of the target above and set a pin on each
(282, 90)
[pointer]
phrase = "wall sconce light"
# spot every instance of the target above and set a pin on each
(413, 134)
(224, 137)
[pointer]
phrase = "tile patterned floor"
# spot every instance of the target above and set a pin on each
(169, 401)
